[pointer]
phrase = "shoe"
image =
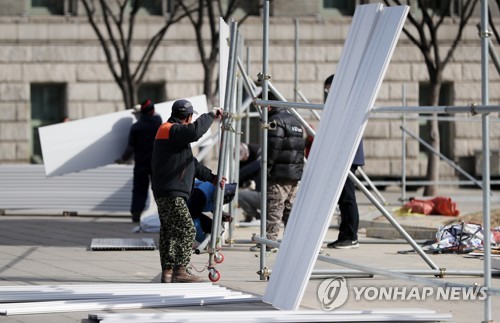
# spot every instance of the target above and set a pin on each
(255, 248)
(226, 217)
(268, 248)
(332, 244)
(344, 244)
(166, 275)
(182, 275)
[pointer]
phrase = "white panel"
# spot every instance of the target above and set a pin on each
(389, 315)
(97, 141)
(197, 298)
(369, 46)
(103, 189)
(223, 59)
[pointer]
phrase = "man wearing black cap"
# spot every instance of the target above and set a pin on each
(140, 144)
(174, 170)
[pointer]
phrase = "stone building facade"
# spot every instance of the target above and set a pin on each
(61, 52)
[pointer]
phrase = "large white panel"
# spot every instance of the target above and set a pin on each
(368, 49)
(97, 141)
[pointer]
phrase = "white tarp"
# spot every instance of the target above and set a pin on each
(368, 48)
(97, 141)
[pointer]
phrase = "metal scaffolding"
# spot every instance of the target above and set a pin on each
(484, 109)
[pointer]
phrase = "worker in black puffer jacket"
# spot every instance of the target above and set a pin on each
(285, 164)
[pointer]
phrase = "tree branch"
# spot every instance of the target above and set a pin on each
(465, 15)
(106, 13)
(90, 10)
(154, 43)
(492, 26)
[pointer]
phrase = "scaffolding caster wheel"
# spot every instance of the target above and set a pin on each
(213, 275)
(218, 258)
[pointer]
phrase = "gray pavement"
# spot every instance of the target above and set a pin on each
(53, 250)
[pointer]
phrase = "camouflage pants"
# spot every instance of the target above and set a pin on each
(280, 198)
(177, 232)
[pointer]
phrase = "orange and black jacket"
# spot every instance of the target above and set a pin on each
(173, 164)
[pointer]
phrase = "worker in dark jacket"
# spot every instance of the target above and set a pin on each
(285, 163)
(349, 214)
(248, 153)
(250, 181)
(140, 144)
(174, 171)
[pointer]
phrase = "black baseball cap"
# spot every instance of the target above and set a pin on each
(182, 108)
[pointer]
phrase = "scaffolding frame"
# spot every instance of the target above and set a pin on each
(484, 110)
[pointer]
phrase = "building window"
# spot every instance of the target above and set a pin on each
(48, 106)
(153, 91)
(446, 128)
(252, 7)
(152, 7)
(440, 8)
(339, 7)
(47, 7)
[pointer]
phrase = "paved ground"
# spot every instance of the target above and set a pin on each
(53, 250)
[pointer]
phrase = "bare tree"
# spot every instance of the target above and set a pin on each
(204, 16)
(493, 27)
(116, 34)
(426, 20)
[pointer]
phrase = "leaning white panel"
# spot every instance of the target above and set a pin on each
(368, 49)
(97, 141)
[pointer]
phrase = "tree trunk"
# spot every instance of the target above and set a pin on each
(433, 159)
(208, 85)
(129, 93)
(126, 98)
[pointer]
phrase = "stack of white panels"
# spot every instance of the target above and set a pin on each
(366, 55)
(19, 300)
(26, 188)
(400, 315)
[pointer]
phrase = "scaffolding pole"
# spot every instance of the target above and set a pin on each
(442, 272)
(485, 33)
(403, 149)
(263, 163)
(214, 256)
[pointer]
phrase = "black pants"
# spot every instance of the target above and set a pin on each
(196, 204)
(142, 175)
(349, 215)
